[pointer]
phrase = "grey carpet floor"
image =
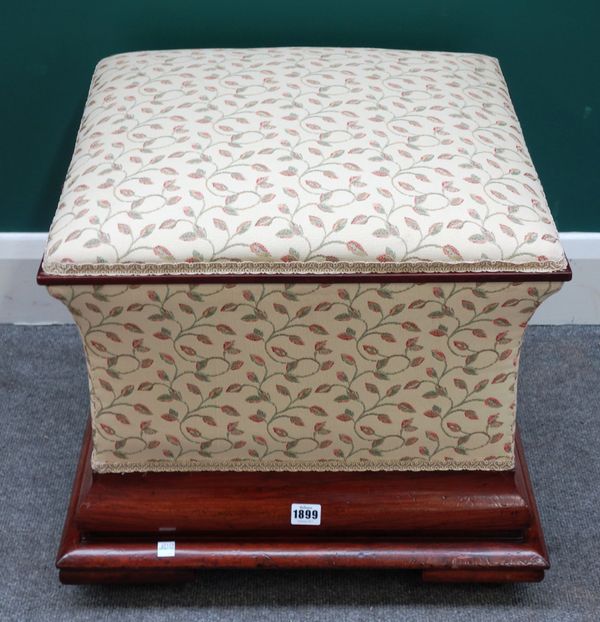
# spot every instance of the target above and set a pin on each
(43, 406)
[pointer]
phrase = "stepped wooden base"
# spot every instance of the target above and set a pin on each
(456, 526)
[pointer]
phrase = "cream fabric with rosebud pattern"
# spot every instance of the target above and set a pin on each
(304, 376)
(300, 160)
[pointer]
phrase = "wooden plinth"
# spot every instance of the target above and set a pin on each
(454, 526)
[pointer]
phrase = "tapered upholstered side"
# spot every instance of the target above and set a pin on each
(305, 376)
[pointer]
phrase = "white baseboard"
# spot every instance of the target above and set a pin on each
(22, 301)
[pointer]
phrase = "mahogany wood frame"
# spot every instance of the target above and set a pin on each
(359, 277)
(453, 526)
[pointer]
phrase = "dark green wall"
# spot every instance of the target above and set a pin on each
(549, 52)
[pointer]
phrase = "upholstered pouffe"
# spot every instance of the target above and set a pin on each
(302, 259)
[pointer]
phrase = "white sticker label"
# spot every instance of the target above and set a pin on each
(306, 514)
(165, 549)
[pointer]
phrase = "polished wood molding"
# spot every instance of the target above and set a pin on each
(453, 526)
(359, 277)
(258, 504)
(531, 575)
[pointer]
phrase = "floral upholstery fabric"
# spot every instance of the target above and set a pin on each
(300, 160)
(303, 376)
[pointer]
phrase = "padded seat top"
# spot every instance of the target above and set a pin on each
(300, 160)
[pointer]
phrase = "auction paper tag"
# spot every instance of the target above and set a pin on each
(306, 514)
(165, 549)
